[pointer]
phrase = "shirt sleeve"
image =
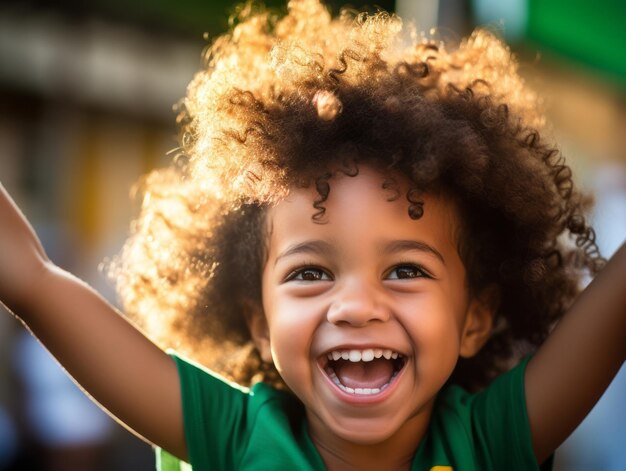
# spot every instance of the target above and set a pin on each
(213, 416)
(500, 425)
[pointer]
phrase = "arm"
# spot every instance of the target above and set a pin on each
(577, 362)
(134, 380)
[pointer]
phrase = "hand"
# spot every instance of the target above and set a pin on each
(22, 257)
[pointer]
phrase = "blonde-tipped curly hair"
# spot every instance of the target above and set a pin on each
(286, 102)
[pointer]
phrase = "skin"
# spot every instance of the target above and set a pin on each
(137, 383)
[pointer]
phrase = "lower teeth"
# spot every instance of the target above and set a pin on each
(361, 391)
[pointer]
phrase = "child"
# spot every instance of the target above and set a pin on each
(377, 230)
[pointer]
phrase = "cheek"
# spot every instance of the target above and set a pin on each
(436, 337)
(434, 327)
(292, 325)
(434, 323)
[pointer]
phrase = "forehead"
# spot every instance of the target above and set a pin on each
(359, 208)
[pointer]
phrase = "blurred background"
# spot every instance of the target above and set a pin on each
(86, 95)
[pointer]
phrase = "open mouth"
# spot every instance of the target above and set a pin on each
(363, 372)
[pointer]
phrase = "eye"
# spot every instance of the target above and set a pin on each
(308, 274)
(407, 271)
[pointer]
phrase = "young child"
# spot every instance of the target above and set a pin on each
(371, 232)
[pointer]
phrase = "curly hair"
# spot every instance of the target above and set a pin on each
(286, 102)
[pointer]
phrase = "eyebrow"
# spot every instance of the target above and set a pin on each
(313, 247)
(321, 247)
(409, 245)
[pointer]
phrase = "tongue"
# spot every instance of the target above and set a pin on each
(371, 374)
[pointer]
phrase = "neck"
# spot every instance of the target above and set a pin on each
(394, 453)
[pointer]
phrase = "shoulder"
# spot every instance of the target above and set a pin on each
(489, 428)
(506, 388)
(195, 374)
(232, 427)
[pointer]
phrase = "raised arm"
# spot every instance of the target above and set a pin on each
(134, 380)
(575, 365)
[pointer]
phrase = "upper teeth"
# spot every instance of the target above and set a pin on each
(362, 355)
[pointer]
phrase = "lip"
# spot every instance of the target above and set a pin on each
(354, 399)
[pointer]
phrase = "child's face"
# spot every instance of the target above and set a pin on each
(369, 279)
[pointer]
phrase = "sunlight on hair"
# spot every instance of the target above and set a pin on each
(282, 102)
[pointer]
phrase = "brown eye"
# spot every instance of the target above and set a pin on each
(404, 272)
(309, 274)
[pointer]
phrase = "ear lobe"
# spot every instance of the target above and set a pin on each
(479, 321)
(259, 331)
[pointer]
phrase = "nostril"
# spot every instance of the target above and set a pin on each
(356, 313)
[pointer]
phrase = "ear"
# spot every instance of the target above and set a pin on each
(259, 330)
(479, 321)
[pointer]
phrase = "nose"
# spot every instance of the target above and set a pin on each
(357, 304)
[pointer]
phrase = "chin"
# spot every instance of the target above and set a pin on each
(364, 434)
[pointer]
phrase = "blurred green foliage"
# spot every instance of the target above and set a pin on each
(591, 32)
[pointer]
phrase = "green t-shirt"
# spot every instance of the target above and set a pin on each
(228, 427)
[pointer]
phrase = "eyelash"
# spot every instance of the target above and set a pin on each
(420, 272)
(307, 268)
